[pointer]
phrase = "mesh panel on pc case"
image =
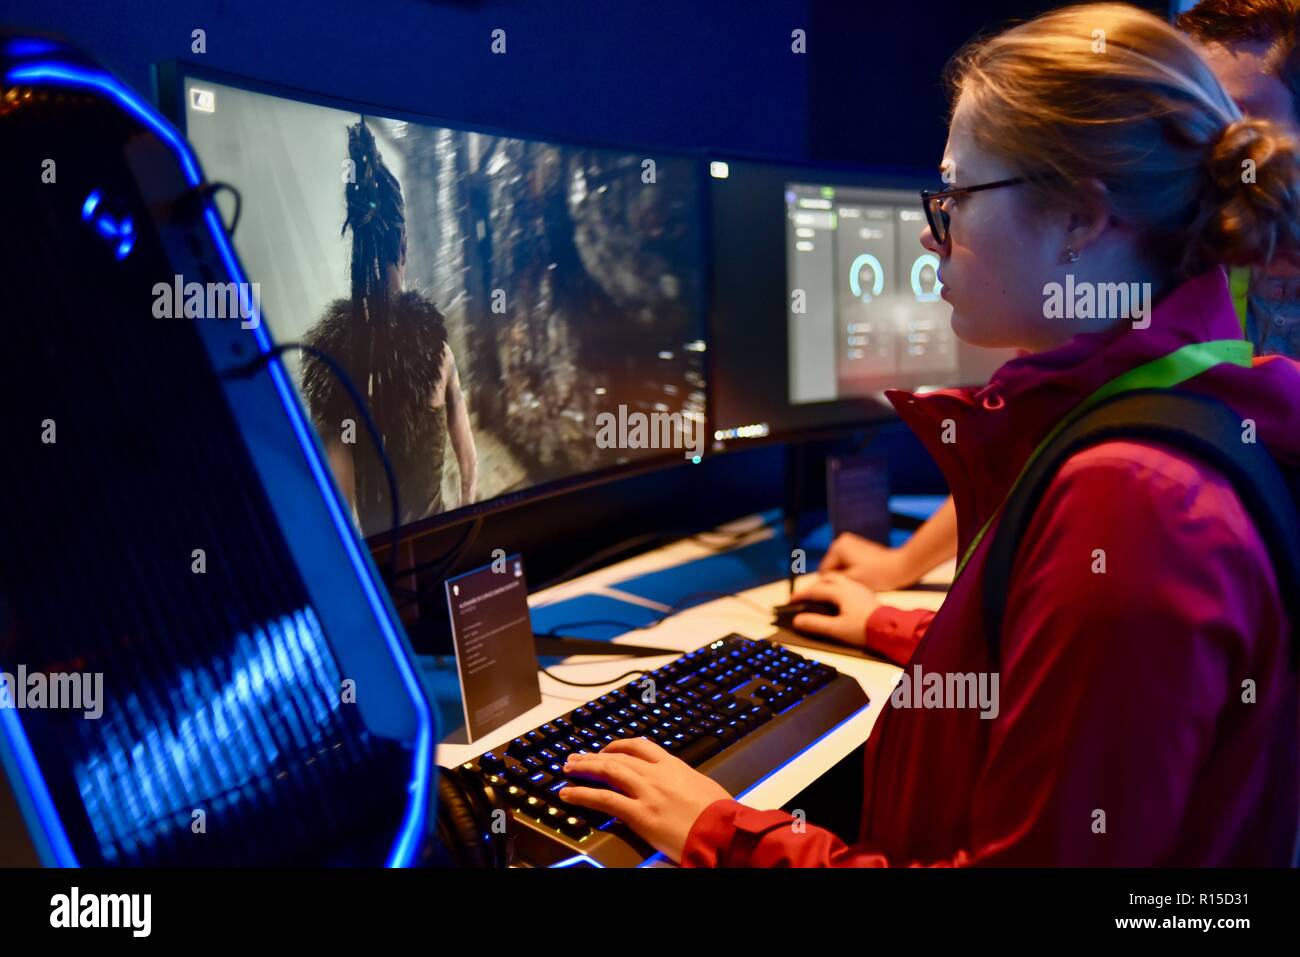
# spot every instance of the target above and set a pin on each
(221, 691)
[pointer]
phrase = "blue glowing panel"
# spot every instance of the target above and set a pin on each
(219, 729)
(221, 691)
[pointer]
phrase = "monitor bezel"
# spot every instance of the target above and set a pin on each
(169, 77)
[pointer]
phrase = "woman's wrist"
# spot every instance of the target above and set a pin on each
(907, 564)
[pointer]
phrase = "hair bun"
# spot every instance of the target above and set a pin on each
(1250, 208)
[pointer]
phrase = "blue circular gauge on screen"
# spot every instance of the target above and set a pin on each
(877, 271)
(923, 260)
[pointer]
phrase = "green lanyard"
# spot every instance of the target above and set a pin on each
(1163, 373)
(1239, 286)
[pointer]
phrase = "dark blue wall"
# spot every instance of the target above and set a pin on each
(659, 74)
(714, 74)
(875, 87)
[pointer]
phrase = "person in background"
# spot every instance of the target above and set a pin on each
(1119, 733)
(1252, 47)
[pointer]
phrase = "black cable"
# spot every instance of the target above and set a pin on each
(593, 684)
(264, 359)
(614, 648)
(554, 632)
(444, 565)
(192, 203)
(469, 533)
(674, 609)
(211, 190)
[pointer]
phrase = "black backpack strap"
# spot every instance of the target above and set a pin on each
(1199, 425)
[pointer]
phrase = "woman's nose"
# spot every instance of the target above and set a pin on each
(928, 241)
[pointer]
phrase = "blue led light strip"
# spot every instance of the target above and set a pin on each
(55, 838)
(403, 851)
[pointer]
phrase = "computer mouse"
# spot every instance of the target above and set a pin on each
(784, 614)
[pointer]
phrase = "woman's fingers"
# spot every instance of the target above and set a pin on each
(663, 798)
(642, 748)
(616, 769)
(834, 557)
(815, 624)
(833, 578)
(821, 588)
(610, 802)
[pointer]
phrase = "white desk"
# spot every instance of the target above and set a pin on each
(689, 630)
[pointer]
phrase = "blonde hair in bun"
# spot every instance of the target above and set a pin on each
(1109, 92)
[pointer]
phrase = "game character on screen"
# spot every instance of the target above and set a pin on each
(393, 344)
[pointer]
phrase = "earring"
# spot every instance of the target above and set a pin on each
(1070, 255)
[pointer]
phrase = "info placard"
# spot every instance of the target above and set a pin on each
(496, 659)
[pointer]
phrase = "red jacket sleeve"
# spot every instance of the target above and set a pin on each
(894, 633)
(1112, 681)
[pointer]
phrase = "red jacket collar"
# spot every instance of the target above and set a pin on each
(980, 437)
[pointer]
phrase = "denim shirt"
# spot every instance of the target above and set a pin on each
(1273, 314)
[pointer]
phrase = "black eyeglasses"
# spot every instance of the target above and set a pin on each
(937, 216)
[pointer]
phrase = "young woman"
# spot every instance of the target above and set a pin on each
(1252, 47)
(1146, 713)
(393, 344)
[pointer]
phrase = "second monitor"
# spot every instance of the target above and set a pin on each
(865, 298)
(824, 298)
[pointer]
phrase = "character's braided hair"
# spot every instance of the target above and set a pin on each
(376, 216)
(390, 343)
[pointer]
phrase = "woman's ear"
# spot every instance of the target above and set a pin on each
(1089, 215)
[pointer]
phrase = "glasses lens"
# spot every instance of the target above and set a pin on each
(937, 218)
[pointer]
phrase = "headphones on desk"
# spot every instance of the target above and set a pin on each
(465, 818)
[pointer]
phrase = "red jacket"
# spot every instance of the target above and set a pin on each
(1126, 732)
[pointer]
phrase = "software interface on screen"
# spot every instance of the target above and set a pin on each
(865, 310)
(507, 306)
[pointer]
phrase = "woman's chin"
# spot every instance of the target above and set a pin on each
(961, 328)
(971, 333)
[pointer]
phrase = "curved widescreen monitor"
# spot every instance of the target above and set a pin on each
(823, 297)
(522, 316)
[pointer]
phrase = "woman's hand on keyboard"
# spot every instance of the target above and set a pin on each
(659, 796)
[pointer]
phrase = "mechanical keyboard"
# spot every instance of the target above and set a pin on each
(736, 710)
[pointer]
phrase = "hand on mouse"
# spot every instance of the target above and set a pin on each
(855, 601)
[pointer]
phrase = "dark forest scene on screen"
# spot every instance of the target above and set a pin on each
(491, 297)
